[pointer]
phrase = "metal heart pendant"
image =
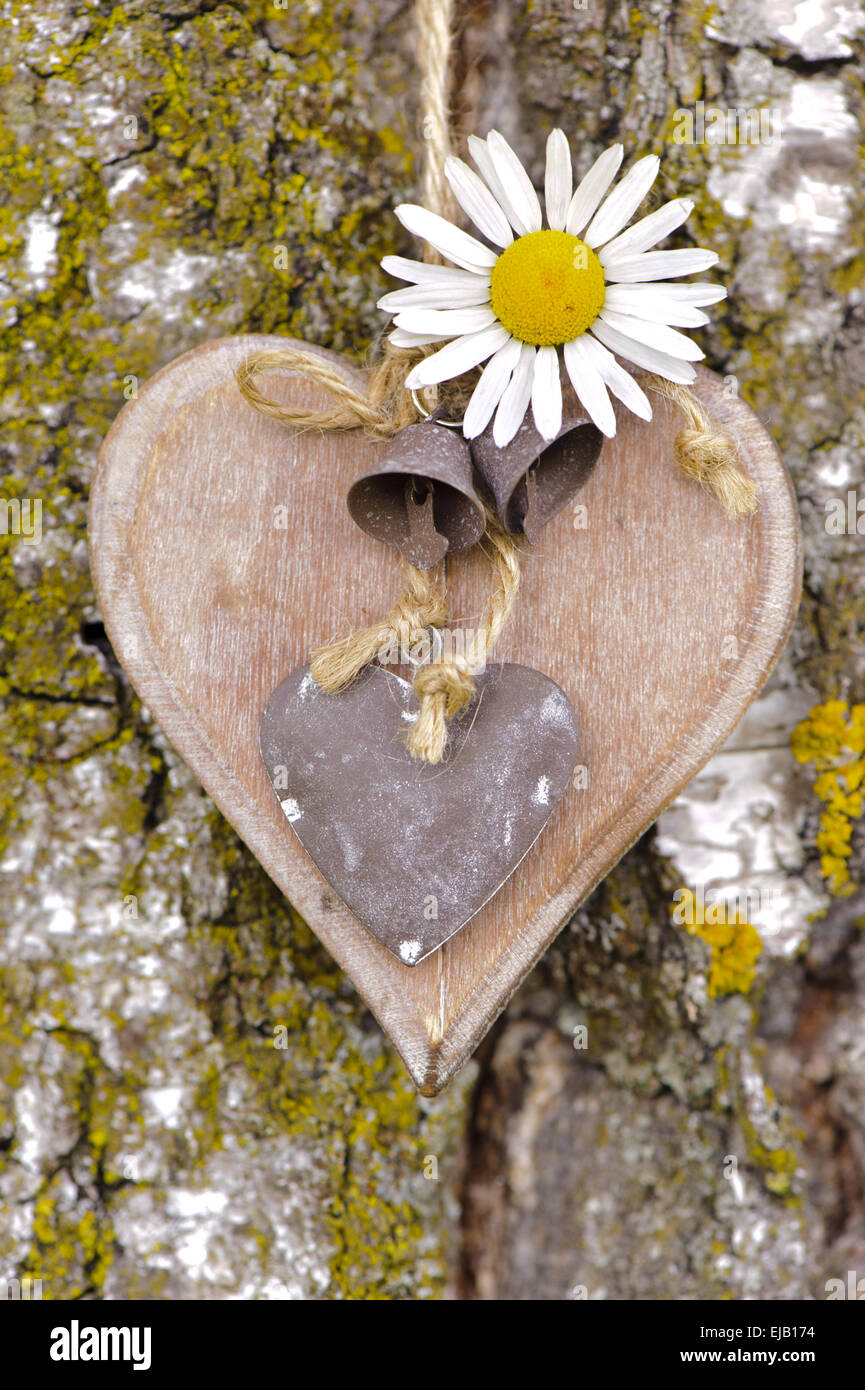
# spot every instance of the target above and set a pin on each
(415, 851)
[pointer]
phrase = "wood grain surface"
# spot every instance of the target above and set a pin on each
(660, 619)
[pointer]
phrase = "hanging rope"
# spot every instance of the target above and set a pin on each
(434, 34)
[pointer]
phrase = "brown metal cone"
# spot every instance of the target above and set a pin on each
(422, 496)
(532, 479)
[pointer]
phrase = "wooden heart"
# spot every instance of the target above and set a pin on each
(223, 552)
(413, 850)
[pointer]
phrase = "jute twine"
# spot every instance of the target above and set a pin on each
(422, 606)
(445, 687)
(707, 453)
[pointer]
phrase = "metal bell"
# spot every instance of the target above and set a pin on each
(532, 478)
(421, 497)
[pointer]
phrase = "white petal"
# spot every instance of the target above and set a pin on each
(515, 401)
(623, 202)
(586, 381)
(700, 292)
(516, 185)
(477, 202)
(484, 160)
(620, 382)
(547, 393)
(419, 273)
(452, 321)
(648, 358)
(447, 239)
(592, 188)
(654, 265)
(489, 390)
(482, 157)
(458, 357)
(657, 308)
(435, 296)
(558, 180)
(654, 335)
(400, 338)
(649, 231)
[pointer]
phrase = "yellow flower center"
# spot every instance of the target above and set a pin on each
(547, 288)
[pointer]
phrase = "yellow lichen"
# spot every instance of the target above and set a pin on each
(832, 737)
(735, 943)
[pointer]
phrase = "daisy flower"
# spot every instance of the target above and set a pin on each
(581, 284)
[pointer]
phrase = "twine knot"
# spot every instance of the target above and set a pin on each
(708, 453)
(421, 607)
(444, 688)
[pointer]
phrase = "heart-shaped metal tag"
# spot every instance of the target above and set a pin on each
(413, 850)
